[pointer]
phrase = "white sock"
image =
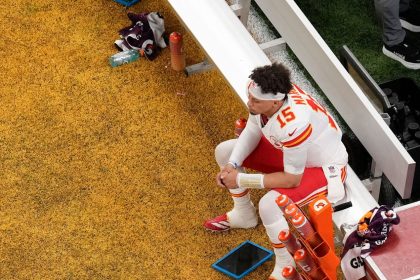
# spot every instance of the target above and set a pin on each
(283, 257)
(243, 214)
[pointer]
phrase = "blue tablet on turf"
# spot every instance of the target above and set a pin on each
(127, 3)
(242, 259)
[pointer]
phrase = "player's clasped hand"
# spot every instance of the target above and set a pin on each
(226, 178)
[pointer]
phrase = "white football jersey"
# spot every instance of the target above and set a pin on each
(305, 132)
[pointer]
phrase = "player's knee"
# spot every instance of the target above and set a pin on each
(223, 151)
(268, 208)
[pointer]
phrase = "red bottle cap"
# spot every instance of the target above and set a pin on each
(175, 37)
(291, 210)
(284, 235)
(240, 123)
(298, 219)
(300, 255)
(288, 272)
(282, 200)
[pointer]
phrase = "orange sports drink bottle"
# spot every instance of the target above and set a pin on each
(291, 210)
(307, 264)
(283, 201)
(302, 225)
(239, 126)
(177, 53)
(290, 241)
(290, 273)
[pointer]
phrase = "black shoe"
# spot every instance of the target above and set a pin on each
(404, 52)
(410, 20)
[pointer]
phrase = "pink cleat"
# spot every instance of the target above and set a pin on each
(218, 224)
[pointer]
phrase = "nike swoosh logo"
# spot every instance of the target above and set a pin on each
(290, 134)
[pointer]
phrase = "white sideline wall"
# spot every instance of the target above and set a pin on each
(343, 92)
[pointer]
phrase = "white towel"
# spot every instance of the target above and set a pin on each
(352, 264)
(336, 190)
(157, 25)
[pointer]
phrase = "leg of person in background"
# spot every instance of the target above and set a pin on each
(388, 12)
(243, 214)
(274, 222)
(409, 17)
(396, 44)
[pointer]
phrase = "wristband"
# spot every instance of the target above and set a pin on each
(234, 164)
(250, 181)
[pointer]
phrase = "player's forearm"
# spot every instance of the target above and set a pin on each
(247, 142)
(281, 180)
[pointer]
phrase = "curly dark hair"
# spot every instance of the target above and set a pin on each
(272, 78)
